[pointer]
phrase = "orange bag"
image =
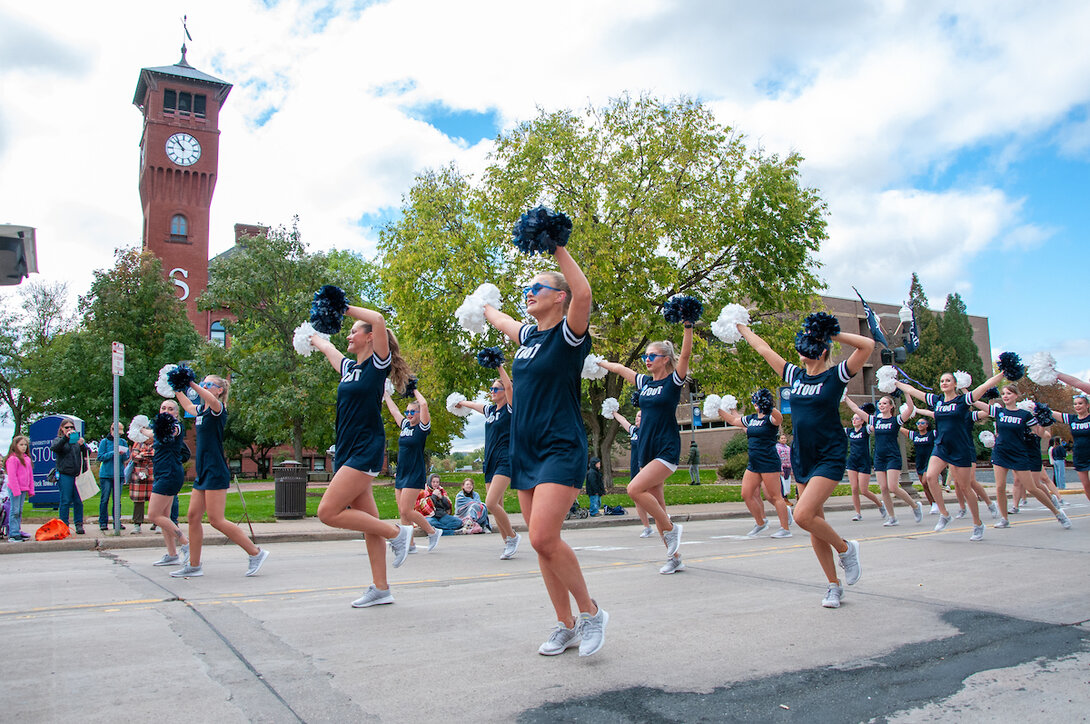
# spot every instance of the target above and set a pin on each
(54, 529)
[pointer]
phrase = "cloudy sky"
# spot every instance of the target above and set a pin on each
(954, 143)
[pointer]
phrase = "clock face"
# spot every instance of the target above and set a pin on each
(183, 149)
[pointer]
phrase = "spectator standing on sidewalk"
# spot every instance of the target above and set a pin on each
(595, 487)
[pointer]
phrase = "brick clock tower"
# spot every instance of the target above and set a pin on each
(179, 157)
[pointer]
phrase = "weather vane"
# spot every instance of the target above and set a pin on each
(188, 37)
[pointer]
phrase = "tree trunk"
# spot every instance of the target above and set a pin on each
(297, 438)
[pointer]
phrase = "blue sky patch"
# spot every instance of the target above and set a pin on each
(471, 126)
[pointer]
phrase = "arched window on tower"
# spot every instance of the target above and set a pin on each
(179, 228)
(218, 334)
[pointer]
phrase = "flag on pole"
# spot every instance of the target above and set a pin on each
(187, 35)
(872, 321)
(912, 343)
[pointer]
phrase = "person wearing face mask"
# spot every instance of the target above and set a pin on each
(70, 451)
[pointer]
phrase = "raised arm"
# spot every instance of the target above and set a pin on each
(623, 421)
(425, 415)
(331, 353)
(776, 417)
(210, 400)
(909, 390)
(864, 346)
(579, 309)
(619, 369)
(381, 342)
(731, 417)
(1073, 381)
(686, 352)
(392, 407)
(761, 347)
(988, 384)
(508, 385)
(856, 409)
(471, 405)
(924, 412)
(982, 406)
(503, 322)
(910, 409)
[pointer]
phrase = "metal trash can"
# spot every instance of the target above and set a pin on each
(290, 486)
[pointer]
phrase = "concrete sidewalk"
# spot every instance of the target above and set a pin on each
(311, 529)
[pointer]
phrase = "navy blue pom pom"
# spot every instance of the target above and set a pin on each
(180, 377)
(328, 309)
(540, 231)
(821, 325)
(410, 387)
(809, 346)
(1010, 364)
(164, 426)
(1043, 415)
(682, 309)
(490, 357)
(897, 394)
(762, 399)
(992, 393)
(869, 408)
(635, 400)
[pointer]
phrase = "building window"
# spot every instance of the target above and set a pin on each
(179, 228)
(170, 101)
(199, 103)
(236, 465)
(317, 464)
(218, 334)
(185, 103)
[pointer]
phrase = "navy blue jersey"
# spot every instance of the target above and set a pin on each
(211, 463)
(953, 429)
(859, 458)
(361, 438)
(761, 436)
(497, 441)
(887, 450)
(660, 435)
(820, 446)
(923, 445)
(411, 470)
(166, 465)
(634, 451)
(1033, 451)
(1011, 427)
(1080, 435)
(548, 440)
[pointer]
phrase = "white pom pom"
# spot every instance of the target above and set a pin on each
(987, 438)
(726, 326)
(301, 339)
(471, 314)
(162, 386)
(136, 428)
(729, 403)
(963, 380)
(1042, 368)
(452, 401)
(711, 406)
(389, 387)
(905, 313)
(886, 377)
(609, 406)
(1026, 405)
(591, 369)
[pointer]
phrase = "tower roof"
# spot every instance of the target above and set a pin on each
(181, 69)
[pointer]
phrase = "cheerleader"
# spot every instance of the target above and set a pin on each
(213, 477)
(349, 501)
(763, 467)
(497, 461)
(923, 442)
(859, 465)
(633, 430)
(1079, 422)
(549, 441)
(820, 446)
(887, 454)
(411, 475)
(660, 443)
(1011, 453)
(170, 452)
(953, 442)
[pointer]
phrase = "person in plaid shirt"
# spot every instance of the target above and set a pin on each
(141, 454)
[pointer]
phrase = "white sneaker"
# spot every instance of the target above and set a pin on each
(1064, 520)
(781, 533)
(672, 538)
(849, 561)
(790, 515)
(433, 538)
(1003, 523)
(561, 639)
(882, 510)
(647, 532)
(510, 545)
(184, 553)
(890, 522)
(944, 520)
(399, 544)
(857, 517)
(917, 513)
(188, 571)
(592, 629)
(757, 529)
(256, 561)
(373, 597)
(832, 596)
(135, 530)
(168, 560)
(994, 510)
(978, 532)
(934, 509)
(673, 565)
(961, 514)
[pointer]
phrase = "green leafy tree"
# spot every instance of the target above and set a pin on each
(957, 332)
(664, 200)
(267, 284)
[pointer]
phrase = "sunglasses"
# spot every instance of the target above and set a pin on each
(536, 288)
(495, 389)
(651, 357)
(68, 427)
(410, 413)
(210, 385)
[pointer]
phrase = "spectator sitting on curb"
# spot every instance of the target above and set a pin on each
(469, 507)
(434, 502)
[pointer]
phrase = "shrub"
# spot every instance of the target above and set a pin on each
(734, 466)
(737, 444)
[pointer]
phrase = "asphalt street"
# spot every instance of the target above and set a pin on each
(937, 626)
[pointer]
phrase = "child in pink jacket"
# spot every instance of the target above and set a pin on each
(21, 484)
